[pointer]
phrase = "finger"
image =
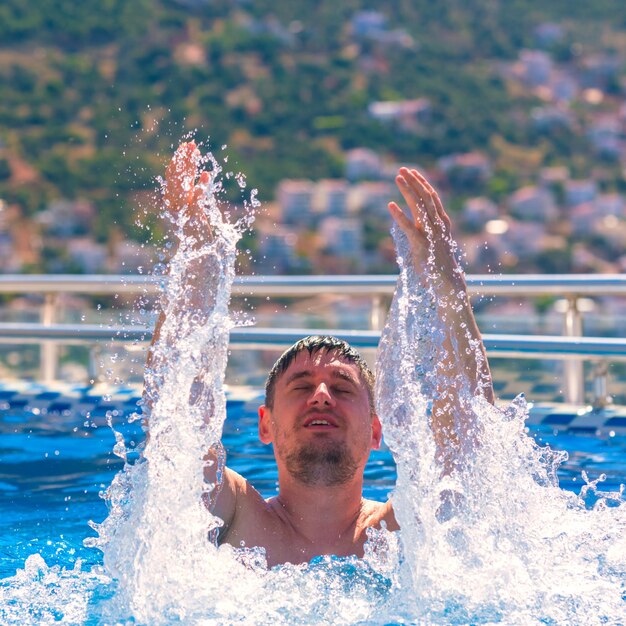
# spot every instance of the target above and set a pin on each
(196, 195)
(181, 157)
(412, 199)
(399, 217)
(183, 167)
(433, 206)
(418, 185)
(443, 216)
(435, 198)
(423, 180)
(200, 187)
(180, 176)
(422, 188)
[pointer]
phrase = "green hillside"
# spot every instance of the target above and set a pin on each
(95, 94)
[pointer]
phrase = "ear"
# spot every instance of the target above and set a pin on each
(265, 422)
(377, 432)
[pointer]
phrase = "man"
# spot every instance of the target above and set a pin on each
(319, 410)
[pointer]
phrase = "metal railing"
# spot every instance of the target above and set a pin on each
(570, 346)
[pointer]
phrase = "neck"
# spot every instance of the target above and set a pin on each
(321, 514)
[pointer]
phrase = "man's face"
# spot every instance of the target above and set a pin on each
(321, 423)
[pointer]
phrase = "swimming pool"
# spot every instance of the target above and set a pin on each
(56, 457)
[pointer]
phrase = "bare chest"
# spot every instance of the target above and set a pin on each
(283, 544)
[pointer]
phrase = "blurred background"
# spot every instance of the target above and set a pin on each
(516, 111)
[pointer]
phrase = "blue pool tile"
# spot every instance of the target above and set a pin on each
(87, 399)
(583, 430)
(18, 403)
(233, 403)
(82, 389)
(48, 395)
(616, 421)
(59, 407)
(559, 419)
(543, 388)
(102, 409)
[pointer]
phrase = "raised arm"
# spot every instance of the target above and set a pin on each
(461, 367)
(193, 320)
(182, 193)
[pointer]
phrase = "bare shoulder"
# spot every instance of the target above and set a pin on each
(373, 513)
(243, 495)
(240, 506)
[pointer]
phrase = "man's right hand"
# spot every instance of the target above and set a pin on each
(184, 189)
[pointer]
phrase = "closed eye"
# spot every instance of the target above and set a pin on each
(342, 390)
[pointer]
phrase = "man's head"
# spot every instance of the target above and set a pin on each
(313, 344)
(319, 412)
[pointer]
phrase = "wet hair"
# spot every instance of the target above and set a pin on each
(313, 344)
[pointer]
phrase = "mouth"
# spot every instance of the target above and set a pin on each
(321, 422)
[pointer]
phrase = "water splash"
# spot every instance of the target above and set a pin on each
(495, 539)
(155, 540)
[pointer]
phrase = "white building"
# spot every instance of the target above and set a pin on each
(368, 24)
(549, 117)
(470, 165)
(342, 237)
(408, 114)
(579, 191)
(67, 218)
(599, 69)
(295, 199)
(613, 231)
(130, 257)
(277, 250)
(553, 175)
(90, 256)
(563, 86)
(606, 136)
(517, 241)
(610, 204)
(372, 197)
(537, 66)
(9, 261)
(478, 211)
(534, 204)
(331, 197)
(603, 212)
(582, 219)
(548, 33)
(363, 163)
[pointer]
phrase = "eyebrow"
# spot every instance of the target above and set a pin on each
(335, 374)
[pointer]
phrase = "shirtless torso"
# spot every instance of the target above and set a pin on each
(269, 524)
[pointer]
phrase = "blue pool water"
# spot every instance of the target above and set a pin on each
(54, 463)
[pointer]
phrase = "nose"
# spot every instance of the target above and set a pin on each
(321, 396)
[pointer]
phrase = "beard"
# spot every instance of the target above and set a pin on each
(327, 465)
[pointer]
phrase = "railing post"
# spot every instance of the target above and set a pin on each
(377, 314)
(49, 352)
(93, 367)
(573, 369)
(601, 397)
